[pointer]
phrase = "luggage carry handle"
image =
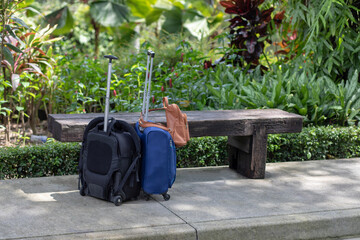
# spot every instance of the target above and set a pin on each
(107, 103)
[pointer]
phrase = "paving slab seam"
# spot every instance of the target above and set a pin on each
(196, 232)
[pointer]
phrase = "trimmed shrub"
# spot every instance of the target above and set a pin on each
(313, 143)
(202, 152)
(48, 159)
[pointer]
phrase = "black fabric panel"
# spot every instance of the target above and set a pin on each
(97, 191)
(101, 151)
(99, 157)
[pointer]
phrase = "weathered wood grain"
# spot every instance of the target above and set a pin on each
(70, 127)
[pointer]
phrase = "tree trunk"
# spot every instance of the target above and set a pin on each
(23, 123)
(7, 129)
(33, 121)
(97, 33)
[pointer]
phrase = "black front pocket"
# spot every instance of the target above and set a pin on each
(99, 157)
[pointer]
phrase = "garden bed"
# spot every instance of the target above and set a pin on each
(20, 137)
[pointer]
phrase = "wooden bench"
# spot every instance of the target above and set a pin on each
(247, 131)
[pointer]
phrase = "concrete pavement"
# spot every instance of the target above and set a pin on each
(296, 200)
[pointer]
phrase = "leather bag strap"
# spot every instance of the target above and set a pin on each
(145, 124)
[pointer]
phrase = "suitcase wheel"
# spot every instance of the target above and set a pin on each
(147, 197)
(82, 191)
(118, 200)
(166, 196)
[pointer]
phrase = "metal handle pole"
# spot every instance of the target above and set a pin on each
(146, 82)
(107, 104)
(149, 86)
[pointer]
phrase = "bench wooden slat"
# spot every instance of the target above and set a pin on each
(70, 127)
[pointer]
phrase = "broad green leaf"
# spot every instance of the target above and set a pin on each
(10, 31)
(153, 16)
(323, 20)
(49, 52)
(139, 8)
(8, 56)
(20, 22)
(201, 6)
(329, 64)
(196, 24)
(351, 85)
(270, 104)
(348, 46)
(230, 98)
(163, 4)
(35, 67)
(46, 63)
(354, 112)
(6, 109)
(12, 47)
(278, 91)
(25, 84)
(337, 107)
(217, 93)
(328, 45)
(173, 21)
(179, 4)
(109, 14)
(303, 111)
(63, 19)
(81, 85)
(32, 11)
(31, 94)
(25, 3)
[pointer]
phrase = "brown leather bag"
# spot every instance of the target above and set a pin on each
(176, 123)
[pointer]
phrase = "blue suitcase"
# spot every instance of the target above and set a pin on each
(158, 170)
(158, 167)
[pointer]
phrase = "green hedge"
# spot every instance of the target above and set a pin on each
(202, 152)
(48, 159)
(312, 143)
(325, 142)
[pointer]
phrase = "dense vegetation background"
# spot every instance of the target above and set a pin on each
(297, 55)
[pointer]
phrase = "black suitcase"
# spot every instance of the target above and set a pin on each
(110, 158)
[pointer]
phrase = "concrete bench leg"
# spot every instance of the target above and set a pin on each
(247, 154)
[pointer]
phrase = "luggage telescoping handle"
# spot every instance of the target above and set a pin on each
(152, 55)
(107, 104)
(146, 82)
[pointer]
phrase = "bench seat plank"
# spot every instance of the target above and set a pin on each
(70, 127)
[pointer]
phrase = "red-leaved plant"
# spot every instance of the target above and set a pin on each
(249, 30)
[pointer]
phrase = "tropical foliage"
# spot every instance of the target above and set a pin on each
(26, 65)
(299, 56)
(323, 34)
(249, 30)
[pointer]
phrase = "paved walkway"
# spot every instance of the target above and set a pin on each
(297, 200)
